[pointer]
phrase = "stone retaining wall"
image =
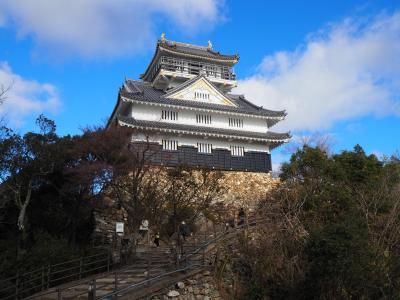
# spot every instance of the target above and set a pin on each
(242, 189)
(199, 287)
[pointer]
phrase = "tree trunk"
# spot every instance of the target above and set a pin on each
(22, 219)
(22, 213)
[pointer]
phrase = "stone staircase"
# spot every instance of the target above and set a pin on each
(150, 263)
(154, 269)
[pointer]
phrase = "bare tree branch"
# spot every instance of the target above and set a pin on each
(3, 92)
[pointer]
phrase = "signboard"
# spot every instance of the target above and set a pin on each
(145, 225)
(119, 228)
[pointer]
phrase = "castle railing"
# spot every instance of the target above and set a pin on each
(191, 67)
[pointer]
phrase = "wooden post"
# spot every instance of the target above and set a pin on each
(48, 275)
(43, 272)
(94, 288)
(59, 296)
(17, 286)
(115, 281)
(108, 261)
(148, 269)
(80, 267)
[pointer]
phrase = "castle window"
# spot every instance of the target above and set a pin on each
(169, 145)
(203, 119)
(237, 151)
(204, 148)
(201, 95)
(169, 115)
(235, 122)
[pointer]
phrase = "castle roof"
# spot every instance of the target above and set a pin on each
(271, 137)
(142, 91)
(188, 51)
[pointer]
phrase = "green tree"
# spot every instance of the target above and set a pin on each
(333, 229)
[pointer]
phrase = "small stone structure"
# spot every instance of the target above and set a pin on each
(105, 217)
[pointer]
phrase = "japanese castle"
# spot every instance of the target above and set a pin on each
(183, 107)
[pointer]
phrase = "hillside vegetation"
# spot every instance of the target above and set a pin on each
(333, 230)
(332, 226)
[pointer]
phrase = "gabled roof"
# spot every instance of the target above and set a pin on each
(270, 137)
(201, 80)
(143, 92)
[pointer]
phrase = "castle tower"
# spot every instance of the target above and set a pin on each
(184, 107)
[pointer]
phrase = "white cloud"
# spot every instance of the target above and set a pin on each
(25, 97)
(348, 70)
(102, 27)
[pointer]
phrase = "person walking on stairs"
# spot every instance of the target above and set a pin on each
(184, 230)
(242, 216)
(157, 239)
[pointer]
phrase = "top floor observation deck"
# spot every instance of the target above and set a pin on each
(170, 72)
(175, 62)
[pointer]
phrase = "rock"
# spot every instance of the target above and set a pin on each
(207, 291)
(196, 291)
(206, 273)
(173, 293)
(192, 281)
(206, 298)
(215, 294)
(180, 285)
(190, 289)
(206, 286)
(199, 297)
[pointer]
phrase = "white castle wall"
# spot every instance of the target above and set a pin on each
(192, 141)
(188, 117)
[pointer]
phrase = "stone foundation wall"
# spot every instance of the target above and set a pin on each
(244, 189)
(241, 189)
(105, 217)
(199, 287)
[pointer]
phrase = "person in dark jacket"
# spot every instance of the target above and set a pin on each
(242, 216)
(184, 230)
(157, 239)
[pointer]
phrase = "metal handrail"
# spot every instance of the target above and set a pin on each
(132, 286)
(191, 255)
(204, 246)
(38, 279)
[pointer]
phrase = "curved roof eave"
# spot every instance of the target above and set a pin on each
(278, 118)
(130, 122)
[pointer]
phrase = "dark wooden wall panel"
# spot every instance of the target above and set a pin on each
(220, 159)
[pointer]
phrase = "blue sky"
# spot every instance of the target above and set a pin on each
(335, 67)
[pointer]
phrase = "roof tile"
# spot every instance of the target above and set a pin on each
(152, 95)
